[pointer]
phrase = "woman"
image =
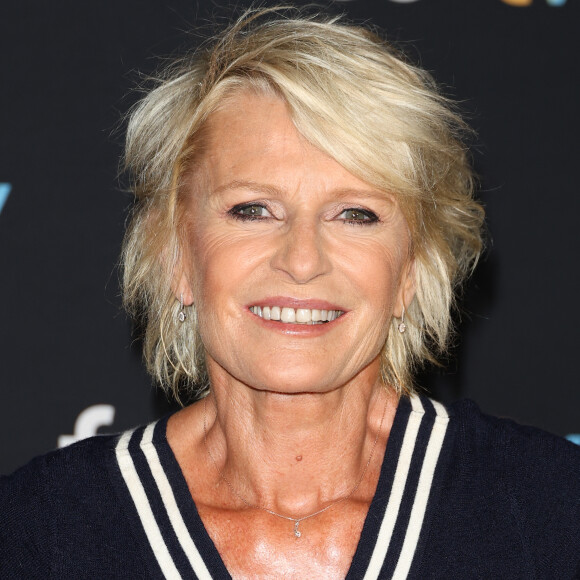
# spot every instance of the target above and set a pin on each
(304, 214)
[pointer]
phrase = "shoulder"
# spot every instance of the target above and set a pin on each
(53, 504)
(71, 468)
(531, 476)
(511, 445)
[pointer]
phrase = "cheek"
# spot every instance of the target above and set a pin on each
(221, 262)
(375, 268)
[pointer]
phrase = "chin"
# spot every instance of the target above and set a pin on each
(295, 382)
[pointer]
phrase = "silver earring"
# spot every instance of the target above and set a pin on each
(402, 326)
(181, 316)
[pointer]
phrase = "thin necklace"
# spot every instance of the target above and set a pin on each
(296, 521)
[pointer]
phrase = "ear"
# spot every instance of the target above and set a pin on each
(407, 287)
(177, 266)
(181, 287)
(180, 284)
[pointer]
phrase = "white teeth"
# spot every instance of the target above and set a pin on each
(288, 315)
(296, 316)
(303, 315)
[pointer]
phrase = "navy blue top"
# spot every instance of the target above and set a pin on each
(461, 495)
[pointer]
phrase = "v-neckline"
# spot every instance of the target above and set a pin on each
(392, 539)
(205, 544)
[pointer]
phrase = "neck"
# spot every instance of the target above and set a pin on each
(295, 453)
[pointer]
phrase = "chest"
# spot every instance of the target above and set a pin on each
(256, 544)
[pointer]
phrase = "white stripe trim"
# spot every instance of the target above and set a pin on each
(171, 507)
(399, 481)
(141, 502)
(423, 490)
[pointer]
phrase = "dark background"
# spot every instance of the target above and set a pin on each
(67, 71)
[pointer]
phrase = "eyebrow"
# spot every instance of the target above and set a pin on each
(249, 185)
(268, 190)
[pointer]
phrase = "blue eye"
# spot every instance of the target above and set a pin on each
(356, 215)
(249, 211)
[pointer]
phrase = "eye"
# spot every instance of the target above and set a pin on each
(355, 215)
(249, 211)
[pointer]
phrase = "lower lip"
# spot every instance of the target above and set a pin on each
(307, 330)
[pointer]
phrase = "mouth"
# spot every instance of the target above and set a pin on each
(288, 315)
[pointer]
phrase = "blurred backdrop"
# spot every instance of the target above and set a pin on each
(69, 364)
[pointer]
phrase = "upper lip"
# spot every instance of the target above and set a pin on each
(289, 302)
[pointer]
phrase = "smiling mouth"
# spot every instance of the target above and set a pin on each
(296, 315)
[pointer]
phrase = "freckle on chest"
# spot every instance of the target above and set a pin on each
(299, 458)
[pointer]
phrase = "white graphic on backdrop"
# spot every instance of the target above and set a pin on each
(88, 423)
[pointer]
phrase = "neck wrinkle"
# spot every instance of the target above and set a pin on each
(255, 437)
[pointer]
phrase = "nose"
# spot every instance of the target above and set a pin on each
(300, 252)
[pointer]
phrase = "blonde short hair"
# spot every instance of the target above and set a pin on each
(353, 96)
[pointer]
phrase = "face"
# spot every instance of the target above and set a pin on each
(295, 266)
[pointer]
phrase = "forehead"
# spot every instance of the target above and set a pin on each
(252, 137)
(248, 124)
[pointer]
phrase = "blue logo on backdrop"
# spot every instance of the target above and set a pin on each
(5, 189)
(529, 2)
(574, 437)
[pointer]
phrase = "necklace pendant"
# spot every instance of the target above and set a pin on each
(297, 532)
